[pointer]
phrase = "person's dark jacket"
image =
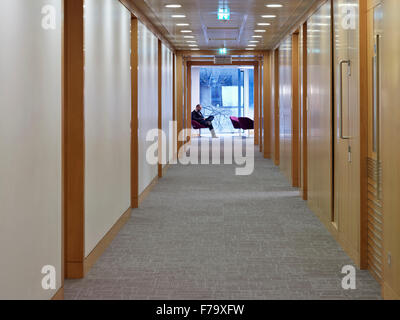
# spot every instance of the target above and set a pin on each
(197, 116)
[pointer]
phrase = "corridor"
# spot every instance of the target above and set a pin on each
(231, 237)
(98, 100)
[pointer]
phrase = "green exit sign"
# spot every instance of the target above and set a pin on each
(224, 14)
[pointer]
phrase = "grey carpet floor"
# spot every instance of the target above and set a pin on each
(205, 233)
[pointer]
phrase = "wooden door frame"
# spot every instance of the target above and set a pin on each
(267, 105)
(256, 105)
(276, 107)
(134, 114)
(303, 117)
(179, 94)
(73, 146)
(261, 103)
(295, 110)
(188, 102)
(364, 123)
(160, 142)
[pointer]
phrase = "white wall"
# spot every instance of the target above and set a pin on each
(167, 87)
(147, 100)
(30, 148)
(195, 87)
(107, 116)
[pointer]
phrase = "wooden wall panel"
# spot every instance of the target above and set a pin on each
(319, 115)
(390, 142)
(285, 107)
(347, 156)
(273, 106)
(267, 106)
(295, 163)
(352, 233)
(179, 83)
(261, 105)
(303, 110)
(189, 107)
(276, 108)
(256, 105)
(372, 217)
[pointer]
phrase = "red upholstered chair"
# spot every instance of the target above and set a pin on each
(198, 126)
(246, 123)
(236, 124)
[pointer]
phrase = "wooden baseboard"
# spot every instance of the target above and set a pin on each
(389, 293)
(59, 294)
(103, 244)
(146, 191)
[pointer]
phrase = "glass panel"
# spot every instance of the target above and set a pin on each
(226, 92)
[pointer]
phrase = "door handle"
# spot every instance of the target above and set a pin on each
(341, 63)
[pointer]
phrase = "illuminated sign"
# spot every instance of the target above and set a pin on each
(224, 14)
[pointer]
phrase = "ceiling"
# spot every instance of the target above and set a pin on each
(207, 32)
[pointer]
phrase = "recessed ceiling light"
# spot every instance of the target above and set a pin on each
(254, 41)
(252, 45)
(249, 48)
(182, 24)
(263, 24)
(188, 37)
(268, 16)
(191, 41)
(193, 45)
(173, 6)
(195, 49)
(259, 30)
(178, 16)
(257, 36)
(274, 5)
(186, 31)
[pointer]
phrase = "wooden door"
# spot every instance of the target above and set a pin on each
(346, 217)
(303, 111)
(285, 107)
(319, 114)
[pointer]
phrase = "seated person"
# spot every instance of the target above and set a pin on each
(198, 116)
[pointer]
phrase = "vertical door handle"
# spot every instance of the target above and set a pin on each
(341, 63)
